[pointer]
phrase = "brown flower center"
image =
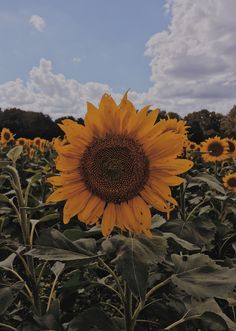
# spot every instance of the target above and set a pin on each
(7, 135)
(231, 146)
(21, 142)
(115, 168)
(215, 149)
(232, 182)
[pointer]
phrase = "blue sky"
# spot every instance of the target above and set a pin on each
(108, 36)
(178, 55)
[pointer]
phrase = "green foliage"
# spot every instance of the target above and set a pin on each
(68, 277)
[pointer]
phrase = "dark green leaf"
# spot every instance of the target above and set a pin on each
(211, 181)
(200, 276)
(209, 305)
(92, 319)
(57, 254)
(15, 153)
(212, 322)
(134, 256)
(8, 294)
(57, 268)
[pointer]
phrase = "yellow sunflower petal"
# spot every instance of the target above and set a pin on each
(142, 213)
(64, 193)
(93, 120)
(75, 204)
(89, 208)
(173, 167)
(154, 199)
(77, 134)
(67, 164)
(96, 213)
(125, 217)
(149, 123)
(109, 219)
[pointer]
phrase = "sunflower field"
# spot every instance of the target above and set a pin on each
(123, 224)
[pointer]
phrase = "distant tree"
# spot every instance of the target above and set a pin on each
(162, 115)
(29, 124)
(60, 119)
(203, 124)
(80, 120)
(228, 123)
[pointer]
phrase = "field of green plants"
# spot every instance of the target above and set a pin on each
(178, 273)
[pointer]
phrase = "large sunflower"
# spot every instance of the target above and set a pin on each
(214, 149)
(116, 165)
(173, 125)
(6, 136)
(230, 182)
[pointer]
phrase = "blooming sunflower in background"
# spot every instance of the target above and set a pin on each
(230, 182)
(21, 141)
(6, 136)
(36, 142)
(31, 152)
(173, 125)
(116, 165)
(42, 145)
(192, 146)
(214, 149)
(231, 147)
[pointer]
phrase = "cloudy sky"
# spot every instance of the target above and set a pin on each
(178, 55)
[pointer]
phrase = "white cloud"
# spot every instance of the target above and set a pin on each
(37, 22)
(50, 93)
(192, 67)
(76, 59)
(193, 62)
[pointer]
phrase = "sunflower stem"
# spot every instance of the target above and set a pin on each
(129, 325)
(182, 202)
(141, 305)
(25, 228)
(111, 272)
(181, 321)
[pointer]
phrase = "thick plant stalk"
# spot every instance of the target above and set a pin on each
(25, 226)
(129, 326)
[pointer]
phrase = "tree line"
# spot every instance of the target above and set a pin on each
(203, 124)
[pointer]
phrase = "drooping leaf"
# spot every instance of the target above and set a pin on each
(8, 262)
(8, 294)
(51, 320)
(92, 319)
(157, 221)
(57, 268)
(211, 181)
(54, 246)
(134, 256)
(210, 321)
(15, 153)
(54, 238)
(209, 305)
(183, 243)
(57, 254)
(3, 164)
(31, 181)
(201, 277)
(87, 243)
(199, 231)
